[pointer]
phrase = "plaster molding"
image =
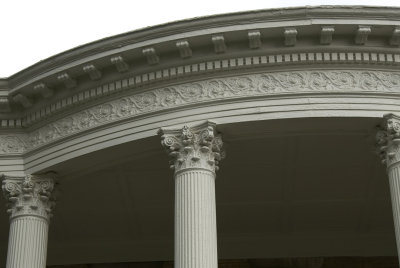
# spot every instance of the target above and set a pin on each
(13, 144)
(395, 39)
(388, 139)
(120, 64)
(29, 196)
(254, 39)
(202, 69)
(271, 24)
(43, 90)
(225, 89)
(193, 147)
(68, 81)
(326, 34)
(362, 34)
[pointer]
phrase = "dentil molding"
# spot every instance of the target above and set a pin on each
(194, 93)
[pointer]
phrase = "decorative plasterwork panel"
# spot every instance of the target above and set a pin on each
(221, 89)
(200, 70)
(13, 144)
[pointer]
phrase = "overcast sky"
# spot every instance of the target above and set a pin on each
(33, 30)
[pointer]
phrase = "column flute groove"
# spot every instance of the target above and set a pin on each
(388, 142)
(195, 153)
(30, 203)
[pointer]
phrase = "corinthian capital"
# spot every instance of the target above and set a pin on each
(29, 196)
(388, 139)
(193, 147)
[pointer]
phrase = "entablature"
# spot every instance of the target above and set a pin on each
(335, 65)
(281, 37)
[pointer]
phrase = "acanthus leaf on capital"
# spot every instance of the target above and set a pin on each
(193, 147)
(29, 196)
(388, 139)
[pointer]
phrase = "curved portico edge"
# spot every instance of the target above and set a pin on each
(260, 96)
(261, 69)
(298, 62)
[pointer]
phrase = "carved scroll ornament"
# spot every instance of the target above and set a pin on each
(264, 84)
(388, 139)
(29, 196)
(196, 147)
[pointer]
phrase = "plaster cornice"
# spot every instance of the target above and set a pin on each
(205, 92)
(69, 71)
(325, 58)
(208, 22)
(224, 59)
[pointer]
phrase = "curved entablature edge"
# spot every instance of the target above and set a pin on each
(248, 97)
(310, 35)
(304, 65)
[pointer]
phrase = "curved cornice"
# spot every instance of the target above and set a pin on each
(279, 15)
(210, 92)
(259, 65)
(178, 46)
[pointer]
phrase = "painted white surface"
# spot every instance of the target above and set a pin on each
(44, 28)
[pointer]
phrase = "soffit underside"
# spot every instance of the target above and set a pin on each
(299, 187)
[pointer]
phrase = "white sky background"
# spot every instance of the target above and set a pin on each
(33, 30)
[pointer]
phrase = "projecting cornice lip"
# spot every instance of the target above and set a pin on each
(289, 36)
(220, 20)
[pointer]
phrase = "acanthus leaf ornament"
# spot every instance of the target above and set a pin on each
(193, 147)
(29, 196)
(388, 139)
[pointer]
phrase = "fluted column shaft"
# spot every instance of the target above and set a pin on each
(195, 219)
(394, 182)
(27, 246)
(195, 154)
(30, 203)
(388, 139)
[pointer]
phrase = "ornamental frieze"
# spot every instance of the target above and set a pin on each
(15, 144)
(264, 84)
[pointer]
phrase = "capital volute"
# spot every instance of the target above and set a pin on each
(31, 195)
(197, 146)
(388, 139)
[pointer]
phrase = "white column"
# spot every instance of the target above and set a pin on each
(389, 147)
(195, 154)
(29, 204)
